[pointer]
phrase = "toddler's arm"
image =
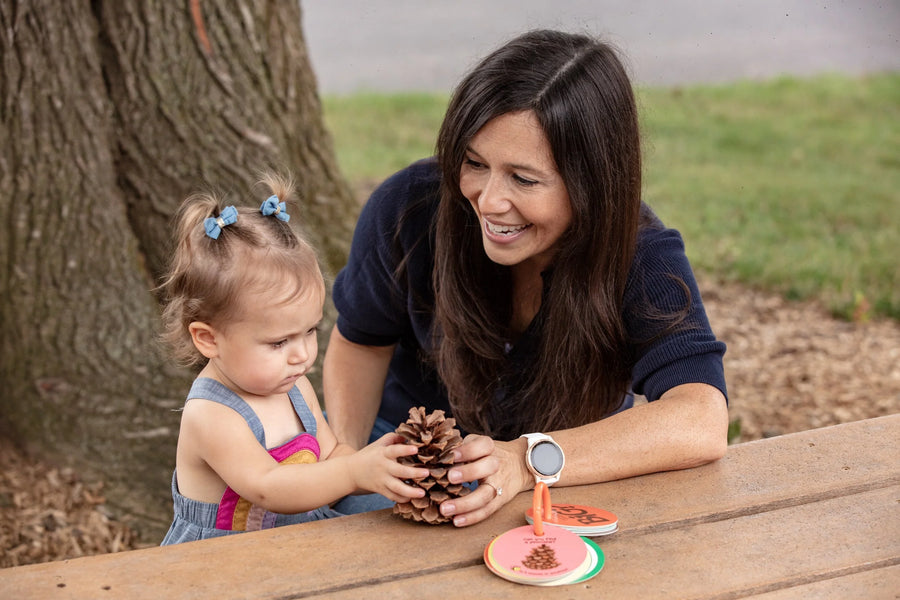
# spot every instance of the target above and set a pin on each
(220, 438)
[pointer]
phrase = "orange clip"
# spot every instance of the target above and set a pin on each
(541, 507)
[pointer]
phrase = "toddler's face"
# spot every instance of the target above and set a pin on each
(270, 345)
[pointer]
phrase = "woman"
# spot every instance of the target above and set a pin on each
(519, 283)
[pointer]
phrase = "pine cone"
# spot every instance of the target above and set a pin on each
(436, 436)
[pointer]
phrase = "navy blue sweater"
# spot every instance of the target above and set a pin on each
(377, 310)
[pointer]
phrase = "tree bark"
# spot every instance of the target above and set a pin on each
(110, 114)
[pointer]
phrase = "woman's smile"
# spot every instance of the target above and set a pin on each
(503, 234)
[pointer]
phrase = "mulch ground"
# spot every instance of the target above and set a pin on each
(790, 367)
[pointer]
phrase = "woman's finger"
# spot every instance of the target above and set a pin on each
(473, 447)
(475, 507)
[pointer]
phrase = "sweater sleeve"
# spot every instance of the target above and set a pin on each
(372, 306)
(661, 284)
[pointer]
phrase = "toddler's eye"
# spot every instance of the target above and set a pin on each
(279, 344)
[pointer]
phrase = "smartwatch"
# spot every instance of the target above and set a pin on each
(544, 457)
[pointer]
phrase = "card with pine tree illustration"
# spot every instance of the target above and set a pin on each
(520, 555)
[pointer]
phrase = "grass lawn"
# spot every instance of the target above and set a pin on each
(789, 185)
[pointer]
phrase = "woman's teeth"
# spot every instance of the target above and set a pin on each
(504, 229)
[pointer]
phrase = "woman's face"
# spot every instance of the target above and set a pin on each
(510, 179)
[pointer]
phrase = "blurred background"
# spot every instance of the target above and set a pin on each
(410, 45)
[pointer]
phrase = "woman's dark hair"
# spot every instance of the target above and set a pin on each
(582, 97)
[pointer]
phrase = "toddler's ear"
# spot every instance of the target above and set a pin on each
(204, 337)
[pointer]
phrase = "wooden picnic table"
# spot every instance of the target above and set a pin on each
(814, 514)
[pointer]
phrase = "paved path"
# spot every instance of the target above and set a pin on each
(428, 44)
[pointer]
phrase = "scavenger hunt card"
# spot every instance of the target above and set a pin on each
(520, 555)
(583, 520)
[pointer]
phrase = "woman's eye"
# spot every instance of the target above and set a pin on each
(524, 180)
(473, 164)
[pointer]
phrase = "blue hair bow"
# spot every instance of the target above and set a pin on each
(214, 225)
(272, 206)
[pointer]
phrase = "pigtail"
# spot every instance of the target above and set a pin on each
(278, 185)
(188, 228)
(189, 245)
(282, 186)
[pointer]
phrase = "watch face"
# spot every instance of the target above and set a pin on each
(546, 458)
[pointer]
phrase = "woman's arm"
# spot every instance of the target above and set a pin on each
(329, 446)
(353, 381)
(686, 427)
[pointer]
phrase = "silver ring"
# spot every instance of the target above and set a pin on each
(498, 490)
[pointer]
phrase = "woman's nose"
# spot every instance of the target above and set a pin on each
(493, 198)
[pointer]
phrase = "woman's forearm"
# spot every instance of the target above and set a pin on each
(353, 382)
(685, 428)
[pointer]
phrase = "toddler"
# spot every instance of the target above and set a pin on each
(244, 298)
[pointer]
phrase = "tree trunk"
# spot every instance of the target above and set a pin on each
(110, 114)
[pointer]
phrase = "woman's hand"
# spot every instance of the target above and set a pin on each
(499, 468)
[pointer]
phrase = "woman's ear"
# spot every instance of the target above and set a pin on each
(204, 338)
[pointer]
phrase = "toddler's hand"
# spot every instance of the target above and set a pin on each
(375, 468)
